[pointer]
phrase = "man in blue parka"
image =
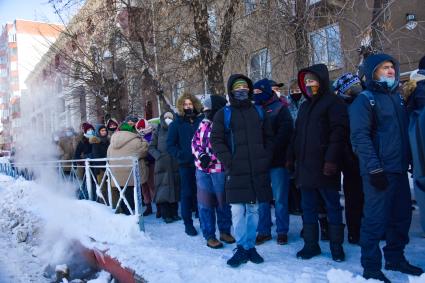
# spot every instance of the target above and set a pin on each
(379, 123)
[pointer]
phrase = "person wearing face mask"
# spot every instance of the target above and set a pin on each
(179, 140)
(83, 150)
(166, 171)
(210, 179)
(100, 143)
(321, 132)
(244, 145)
(111, 126)
(282, 125)
(379, 135)
(348, 87)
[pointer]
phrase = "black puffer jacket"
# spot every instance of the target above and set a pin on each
(321, 134)
(247, 169)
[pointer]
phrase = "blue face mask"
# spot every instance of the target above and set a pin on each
(260, 98)
(240, 94)
(389, 81)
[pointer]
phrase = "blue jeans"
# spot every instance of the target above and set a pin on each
(187, 193)
(211, 200)
(280, 186)
(386, 213)
(310, 204)
(245, 221)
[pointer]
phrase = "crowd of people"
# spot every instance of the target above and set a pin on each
(228, 161)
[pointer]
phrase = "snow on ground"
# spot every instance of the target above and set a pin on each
(164, 253)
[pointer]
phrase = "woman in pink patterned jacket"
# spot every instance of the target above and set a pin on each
(210, 178)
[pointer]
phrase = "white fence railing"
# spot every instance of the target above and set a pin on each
(93, 179)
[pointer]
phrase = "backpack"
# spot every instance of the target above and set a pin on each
(227, 118)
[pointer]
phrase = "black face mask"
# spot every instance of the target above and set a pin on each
(189, 113)
(296, 95)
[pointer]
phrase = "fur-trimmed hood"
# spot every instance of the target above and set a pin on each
(410, 86)
(197, 105)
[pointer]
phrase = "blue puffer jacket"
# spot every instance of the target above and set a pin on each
(379, 133)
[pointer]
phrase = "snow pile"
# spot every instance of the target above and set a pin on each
(165, 253)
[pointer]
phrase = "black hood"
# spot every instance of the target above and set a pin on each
(235, 77)
(321, 71)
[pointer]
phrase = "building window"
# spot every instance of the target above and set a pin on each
(260, 65)
(12, 37)
(326, 47)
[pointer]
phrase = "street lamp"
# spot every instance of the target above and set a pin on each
(411, 22)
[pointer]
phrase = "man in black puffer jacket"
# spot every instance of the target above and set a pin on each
(247, 165)
(321, 133)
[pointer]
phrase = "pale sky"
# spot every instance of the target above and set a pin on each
(38, 10)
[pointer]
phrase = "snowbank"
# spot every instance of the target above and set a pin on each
(164, 253)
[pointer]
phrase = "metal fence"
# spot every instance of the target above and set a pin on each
(93, 179)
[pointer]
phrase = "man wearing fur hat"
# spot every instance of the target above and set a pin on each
(179, 143)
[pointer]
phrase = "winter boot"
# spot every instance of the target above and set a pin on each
(158, 210)
(227, 238)
(311, 242)
(254, 257)
(336, 238)
(282, 239)
(239, 257)
(261, 239)
(324, 229)
(213, 243)
(190, 230)
(404, 267)
(375, 274)
(148, 210)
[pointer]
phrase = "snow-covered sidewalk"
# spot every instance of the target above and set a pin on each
(164, 253)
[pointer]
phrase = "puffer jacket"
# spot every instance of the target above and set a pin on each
(247, 169)
(123, 144)
(379, 133)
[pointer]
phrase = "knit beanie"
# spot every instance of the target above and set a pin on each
(344, 82)
(132, 118)
(311, 76)
(126, 127)
(143, 127)
(86, 127)
(239, 83)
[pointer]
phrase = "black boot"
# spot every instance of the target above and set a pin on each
(336, 238)
(324, 229)
(375, 274)
(404, 267)
(311, 242)
(148, 210)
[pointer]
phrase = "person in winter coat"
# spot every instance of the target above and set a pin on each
(321, 133)
(83, 150)
(379, 125)
(414, 93)
(100, 143)
(144, 128)
(244, 147)
(210, 179)
(66, 149)
(348, 87)
(126, 142)
(282, 126)
(166, 179)
(179, 140)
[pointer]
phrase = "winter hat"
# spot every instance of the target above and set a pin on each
(311, 76)
(344, 82)
(126, 127)
(111, 122)
(132, 118)
(239, 83)
(168, 115)
(422, 64)
(143, 127)
(273, 83)
(266, 88)
(86, 127)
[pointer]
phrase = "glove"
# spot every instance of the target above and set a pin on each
(329, 169)
(290, 166)
(378, 180)
(205, 161)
